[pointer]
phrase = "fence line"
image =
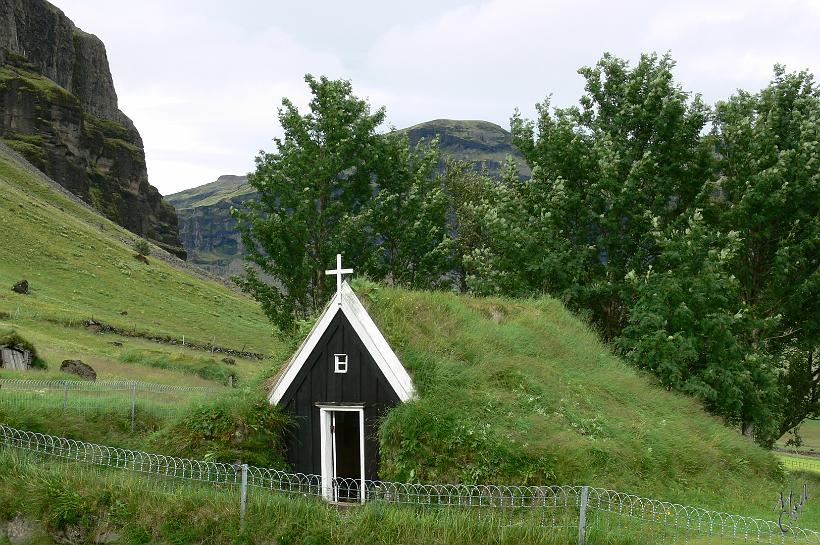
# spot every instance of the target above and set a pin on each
(133, 398)
(99, 385)
(593, 512)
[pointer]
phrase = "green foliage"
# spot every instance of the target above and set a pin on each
(407, 216)
(142, 247)
(631, 152)
(336, 186)
(310, 190)
(241, 426)
(688, 322)
(769, 191)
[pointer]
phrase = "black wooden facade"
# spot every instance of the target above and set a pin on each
(318, 383)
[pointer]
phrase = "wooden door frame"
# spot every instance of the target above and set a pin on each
(327, 447)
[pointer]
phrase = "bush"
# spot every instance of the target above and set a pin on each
(240, 426)
(142, 247)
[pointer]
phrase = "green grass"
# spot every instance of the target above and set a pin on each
(206, 368)
(81, 265)
(89, 502)
(523, 392)
(807, 464)
(226, 189)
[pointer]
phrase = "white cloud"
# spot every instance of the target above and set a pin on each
(202, 80)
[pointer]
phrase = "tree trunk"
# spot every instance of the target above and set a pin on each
(749, 430)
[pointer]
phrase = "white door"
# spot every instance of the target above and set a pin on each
(342, 448)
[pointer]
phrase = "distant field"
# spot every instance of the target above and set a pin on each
(809, 433)
(801, 463)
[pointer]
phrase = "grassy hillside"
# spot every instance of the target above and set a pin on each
(522, 391)
(80, 265)
(226, 187)
(514, 391)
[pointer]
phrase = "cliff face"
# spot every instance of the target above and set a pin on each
(207, 230)
(58, 107)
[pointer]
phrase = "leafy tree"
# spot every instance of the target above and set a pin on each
(407, 217)
(768, 146)
(689, 322)
(336, 185)
(311, 189)
(631, 152)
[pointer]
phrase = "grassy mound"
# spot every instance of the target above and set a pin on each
(240, 426)
(517, 391)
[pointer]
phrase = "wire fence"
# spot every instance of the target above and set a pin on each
(571, 514)
(803, 463)
(130, 399)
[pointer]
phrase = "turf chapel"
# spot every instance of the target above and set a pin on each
(337, 384)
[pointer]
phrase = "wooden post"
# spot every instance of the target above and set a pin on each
(243, 500)
(582, 516)
(133, 406)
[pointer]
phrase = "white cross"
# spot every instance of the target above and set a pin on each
(339, 271)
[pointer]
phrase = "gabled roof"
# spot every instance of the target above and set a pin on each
(346, 302)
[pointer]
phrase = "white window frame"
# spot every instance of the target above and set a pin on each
(340, 360)
(328, 449)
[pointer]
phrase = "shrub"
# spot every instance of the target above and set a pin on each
(142, 247)
(240, 426)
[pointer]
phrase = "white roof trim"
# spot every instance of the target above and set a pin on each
(368, 332)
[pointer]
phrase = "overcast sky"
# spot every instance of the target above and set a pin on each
(202, 80)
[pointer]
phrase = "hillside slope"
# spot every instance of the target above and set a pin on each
(58, 107)
(207, 230)
(522, 391)
(81, 265)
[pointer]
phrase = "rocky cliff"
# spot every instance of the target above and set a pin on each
(58, 108)
(207, 228)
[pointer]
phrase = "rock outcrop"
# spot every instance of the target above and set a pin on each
(206, 228)
(77, 367)
(58, 108)
(21, 287)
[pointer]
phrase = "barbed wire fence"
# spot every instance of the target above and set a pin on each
(130, 398)
(571, 514)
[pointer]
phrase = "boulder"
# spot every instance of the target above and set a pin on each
(15, 358)
(229, 361)
(21, 287)
(76, 367)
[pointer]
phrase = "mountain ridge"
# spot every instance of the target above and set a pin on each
(207, 230)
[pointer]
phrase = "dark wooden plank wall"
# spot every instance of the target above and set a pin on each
(317, 382)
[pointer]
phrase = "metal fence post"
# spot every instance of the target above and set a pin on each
(582, 516)
(243, 501)
(133, 406)
(65, 396)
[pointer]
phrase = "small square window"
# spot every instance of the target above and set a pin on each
(341, 362)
